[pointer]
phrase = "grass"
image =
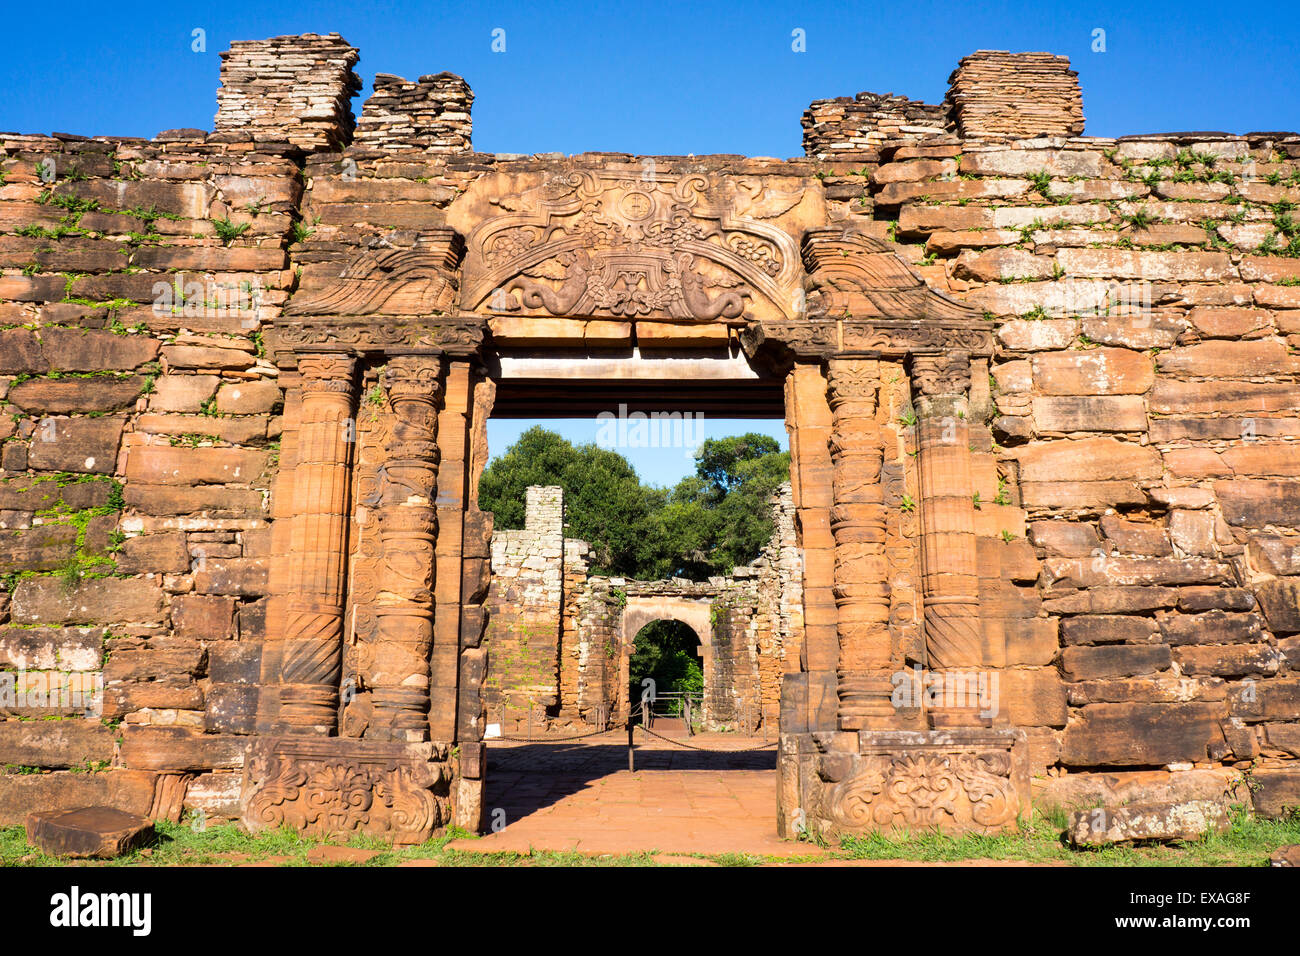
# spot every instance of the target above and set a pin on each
(1248, 843)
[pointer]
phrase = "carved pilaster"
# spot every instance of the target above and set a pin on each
(312, 654)
(398, 660)
(858, 525)
(951, 576)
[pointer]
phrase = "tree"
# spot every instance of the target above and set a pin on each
(709, 523)
(605, 503)
(723, 512)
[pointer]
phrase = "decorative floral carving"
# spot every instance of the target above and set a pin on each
(602, 243)
(341, 786)
(952, 791)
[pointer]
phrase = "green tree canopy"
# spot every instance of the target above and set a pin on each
(709, 523)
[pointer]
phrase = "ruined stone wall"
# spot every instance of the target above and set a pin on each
(846, 125)
(593, 667)
(754, 628)
(140, 440)
(1135, 498)
(526, 601)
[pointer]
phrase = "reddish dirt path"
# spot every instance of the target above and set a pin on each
(579, 795)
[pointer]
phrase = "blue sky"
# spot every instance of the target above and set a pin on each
(659, 78)
(662, 77)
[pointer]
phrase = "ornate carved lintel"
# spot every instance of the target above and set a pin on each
(454, 335)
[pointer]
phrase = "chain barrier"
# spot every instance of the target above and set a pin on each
(710, 750)
(550, 740)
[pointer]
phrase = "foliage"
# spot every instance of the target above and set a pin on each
(668, 652)
(709, 523)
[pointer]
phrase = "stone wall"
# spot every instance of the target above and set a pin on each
(526, 601)
(140, 443)
(850, 125)
(430, 114)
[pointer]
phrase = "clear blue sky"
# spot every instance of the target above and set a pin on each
(659, 77)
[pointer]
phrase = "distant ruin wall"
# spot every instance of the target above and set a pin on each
(750, 634)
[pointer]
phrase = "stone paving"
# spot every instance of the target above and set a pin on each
(579, 795)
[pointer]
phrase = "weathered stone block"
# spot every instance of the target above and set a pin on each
(1114, 735)
(167, 465)
(1107, 629)
(83, 350)
(86, 445)
(1213, 627)
(1114, 660)
(1227, 660)
(1280, 601)
(1099, 371)
(1088, 459)
(176, 748)
(128, 790)
(101, 832)
(154, 554)
(95, 601)
(66, 396)
(73, 742)
(1079, 413)
(1148, 821)
(1277, 792)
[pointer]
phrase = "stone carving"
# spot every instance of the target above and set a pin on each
(396, 629)
(951, 791)
(632, 244)
(946, 374)
(850, 274)
(822, 338)
(339, 785)
(312, 657)
(858, 525)
(390, 280)
(950, 572)
(461, 336)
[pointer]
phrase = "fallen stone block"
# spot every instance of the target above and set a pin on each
(1147, 821)
(99, 832)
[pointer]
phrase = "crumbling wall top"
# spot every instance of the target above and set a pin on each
(295, 90)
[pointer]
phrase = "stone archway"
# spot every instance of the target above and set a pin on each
(694, 613)
(592, 269)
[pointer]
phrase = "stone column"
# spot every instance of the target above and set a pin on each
(950, 572)
(809, 698)
(452, 487)
(858, 524)
(312, 655)
(399, 666)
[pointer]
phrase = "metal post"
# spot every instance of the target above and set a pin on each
(631, 765)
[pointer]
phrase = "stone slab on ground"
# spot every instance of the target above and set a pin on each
(99, 832)
(1285, 856)
(321, 855)
(1188, 820)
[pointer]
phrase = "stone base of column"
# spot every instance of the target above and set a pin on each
(337, 786)
(963, 780)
